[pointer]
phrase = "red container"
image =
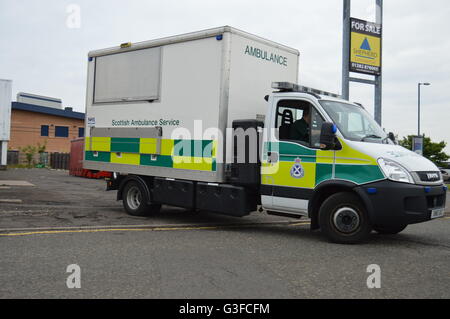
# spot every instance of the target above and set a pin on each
(76, 162)
(76, 157)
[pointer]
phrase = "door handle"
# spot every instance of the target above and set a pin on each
(272, 157)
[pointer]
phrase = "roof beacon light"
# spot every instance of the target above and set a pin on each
(283, 86)
(292, 87)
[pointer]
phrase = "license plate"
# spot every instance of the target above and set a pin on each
(437, 213)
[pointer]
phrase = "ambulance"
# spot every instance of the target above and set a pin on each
(215, 121)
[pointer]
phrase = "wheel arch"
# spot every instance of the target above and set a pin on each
(327, 189)
(144, 181)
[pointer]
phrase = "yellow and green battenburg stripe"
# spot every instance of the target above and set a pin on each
(181, 154)
(349, 164)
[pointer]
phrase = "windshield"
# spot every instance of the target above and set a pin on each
(354, 122)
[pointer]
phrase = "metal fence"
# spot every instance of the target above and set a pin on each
(52, 160)
(12, 158)
(60, 160)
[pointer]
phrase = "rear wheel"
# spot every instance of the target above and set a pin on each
(135, 200)
(390, 230)
(343, 219)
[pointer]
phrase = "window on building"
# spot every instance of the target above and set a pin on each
(44, 130)
(61, 131)
(81, 132)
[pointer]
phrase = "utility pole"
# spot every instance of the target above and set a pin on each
(418, 110)
(418, 106)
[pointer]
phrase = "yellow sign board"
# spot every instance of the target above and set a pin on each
(365, 47)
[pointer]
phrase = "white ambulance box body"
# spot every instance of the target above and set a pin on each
(198, 82)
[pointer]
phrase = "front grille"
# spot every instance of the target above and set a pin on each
(429, 177)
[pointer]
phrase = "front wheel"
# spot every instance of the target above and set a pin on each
(343, 219)
(135, 201)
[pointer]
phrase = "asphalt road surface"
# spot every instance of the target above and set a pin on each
(65, 220)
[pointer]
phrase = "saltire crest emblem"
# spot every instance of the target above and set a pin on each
(297, 170)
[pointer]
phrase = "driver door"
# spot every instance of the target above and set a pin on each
(292, 168)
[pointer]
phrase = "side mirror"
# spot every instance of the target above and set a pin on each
(392, 137)
(328, 140)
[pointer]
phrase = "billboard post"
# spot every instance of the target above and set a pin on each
(379, 77)
(346, 51)
(362, 53)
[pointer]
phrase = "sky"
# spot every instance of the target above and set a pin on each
(44, 46)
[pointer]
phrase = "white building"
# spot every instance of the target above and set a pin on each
(28, 98)
(5, 119)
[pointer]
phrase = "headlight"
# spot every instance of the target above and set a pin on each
(395, 171)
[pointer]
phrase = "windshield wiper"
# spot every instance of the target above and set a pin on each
(370, 136)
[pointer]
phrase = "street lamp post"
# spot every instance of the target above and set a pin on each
(418, 109)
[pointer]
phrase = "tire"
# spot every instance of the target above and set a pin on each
(135, 200)
(343, 219)
(390, 230)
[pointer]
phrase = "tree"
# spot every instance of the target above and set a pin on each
(29, 151)
(41, 150)
(433, 151)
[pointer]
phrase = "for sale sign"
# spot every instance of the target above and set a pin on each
(365, 47)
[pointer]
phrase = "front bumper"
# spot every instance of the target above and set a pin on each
(390, 203)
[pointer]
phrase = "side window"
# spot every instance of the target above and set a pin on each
(287, 116)
(128, 76)
(298, 121)
(316, 127)
(288, 113)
